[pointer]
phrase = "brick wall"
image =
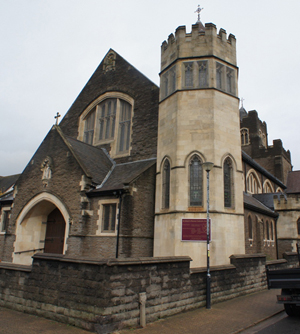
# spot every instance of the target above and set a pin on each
(103, 295)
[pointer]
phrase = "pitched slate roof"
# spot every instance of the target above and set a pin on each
(96, 162)
(293, 182)
(252, 203)
(123, 174)
(7, 181)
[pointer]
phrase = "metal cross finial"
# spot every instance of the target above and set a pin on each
(199, 11)
(57, 117)
(242, 100)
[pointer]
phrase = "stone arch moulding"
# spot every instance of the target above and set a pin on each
(191, 154)
(166, 157)
(269, 184)
(52, 200)
(228, 155)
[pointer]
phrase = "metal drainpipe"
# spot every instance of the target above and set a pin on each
(276, 238)
(119, 221)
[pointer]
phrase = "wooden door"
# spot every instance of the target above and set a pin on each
(55, 233)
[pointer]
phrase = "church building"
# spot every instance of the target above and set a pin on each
(124, 174)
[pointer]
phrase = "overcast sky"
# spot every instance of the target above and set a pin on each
(50, 48)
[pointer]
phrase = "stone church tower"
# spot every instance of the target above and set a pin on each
(199, 122)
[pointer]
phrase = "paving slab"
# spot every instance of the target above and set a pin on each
(232, 316)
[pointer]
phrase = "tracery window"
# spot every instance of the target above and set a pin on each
(245, 136)
(196, 181)
(253, 185)
(228, 183)
(109, 121)
(188, 77)
(203, 77)
(219, 75)
(168, 83)
(268, 187)
(229, 80)
(166, 184)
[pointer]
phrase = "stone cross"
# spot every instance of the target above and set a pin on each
(57, 117)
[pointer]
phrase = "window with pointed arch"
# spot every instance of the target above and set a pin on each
(228, 183)
(245, 136)
(253, 185)
(166, 185)
(250, 228)
(196, 181)
(268, 188)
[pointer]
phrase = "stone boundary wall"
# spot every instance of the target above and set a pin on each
(105, 295)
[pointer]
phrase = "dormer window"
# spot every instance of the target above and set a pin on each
(108, 121)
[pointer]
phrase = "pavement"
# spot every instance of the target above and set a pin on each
(229, 317)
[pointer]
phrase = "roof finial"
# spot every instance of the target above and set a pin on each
(198, 11)
(242, 100)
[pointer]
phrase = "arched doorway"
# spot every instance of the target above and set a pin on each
(55, 233)
(43, 217)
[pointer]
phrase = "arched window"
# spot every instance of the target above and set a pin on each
(188, 69)
(245, 136)
(268, 188)
(253, 184)
(109, 121)
(267, 231)
(166, 185)
(196, 181)
(228, 183)
(272, 230)
(250, 228)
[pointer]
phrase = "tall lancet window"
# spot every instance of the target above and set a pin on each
(203, 81)
(188, 75)
(230, 80)
(124, 126)
(219, 75)
(89, 127)
(228, 183)
(196, 181)
(166, 185)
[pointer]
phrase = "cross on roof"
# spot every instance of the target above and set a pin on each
(57, 117)
(198, 11)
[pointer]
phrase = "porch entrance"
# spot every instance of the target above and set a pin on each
(55, 233)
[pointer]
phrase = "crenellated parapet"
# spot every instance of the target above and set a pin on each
(287, 202)
(198, 44)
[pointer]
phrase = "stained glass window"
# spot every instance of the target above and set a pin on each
(228, 183)
(196, 181)
(166, 184)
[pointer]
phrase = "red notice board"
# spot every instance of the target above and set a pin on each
(194, 229)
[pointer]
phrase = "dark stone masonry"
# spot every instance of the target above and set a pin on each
(104, 295)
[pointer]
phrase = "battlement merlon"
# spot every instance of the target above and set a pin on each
(198, 44)
(287, 202)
